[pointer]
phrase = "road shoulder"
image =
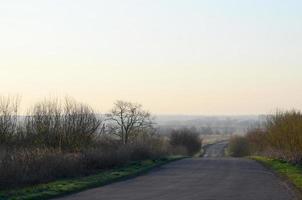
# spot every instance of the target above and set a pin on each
(290, 174)
(69, 186)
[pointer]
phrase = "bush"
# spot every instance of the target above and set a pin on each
(238, 146)
(8, 119)
(186, 139)
(257, 141)
(280, 138)
(25, 166)
(68, 126)
(284, 135)
(59, 140)
(31, 166)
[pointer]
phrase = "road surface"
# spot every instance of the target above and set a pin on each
(216, 150)
(210, 178)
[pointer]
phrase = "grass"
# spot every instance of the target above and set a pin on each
(291, 172)
(68, 186)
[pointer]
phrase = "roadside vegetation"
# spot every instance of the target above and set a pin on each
(238, 146)
(186, 140)
(66, 140)
(277, 145)
(280, 137)
(285, 169)
(67, 186)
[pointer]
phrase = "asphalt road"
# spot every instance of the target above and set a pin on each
(210, 178)
(216, 150)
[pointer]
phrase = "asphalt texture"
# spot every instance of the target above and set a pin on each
(213, 177)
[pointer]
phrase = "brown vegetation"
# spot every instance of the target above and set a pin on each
(238, 146)
(186, 139)
(127, 120)
(280, 138)
(60, 139)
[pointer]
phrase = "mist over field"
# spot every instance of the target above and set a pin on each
(210, 124)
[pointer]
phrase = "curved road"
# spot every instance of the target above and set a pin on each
(210, 178)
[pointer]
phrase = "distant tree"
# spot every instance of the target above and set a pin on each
(127, 120)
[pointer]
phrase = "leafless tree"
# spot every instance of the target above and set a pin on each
(8, 117)
(43, 123)
(126, 120)
(80, 123)
(69, 125)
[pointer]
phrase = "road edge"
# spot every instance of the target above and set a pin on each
(51, 190)
(294, 189)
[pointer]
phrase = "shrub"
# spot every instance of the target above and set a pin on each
(68, 126)
(284, 133)
(257, 141)
(59, 140)
(8, 119)
(187, 139)
(24, 166)
(31, 166)
(238, 146)
(280, 138)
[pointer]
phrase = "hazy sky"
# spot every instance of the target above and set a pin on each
(173, 56)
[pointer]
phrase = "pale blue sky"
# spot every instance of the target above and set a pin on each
(173, 56)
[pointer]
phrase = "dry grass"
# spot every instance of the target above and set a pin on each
(21, 167)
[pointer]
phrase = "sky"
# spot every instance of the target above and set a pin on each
(192, 57)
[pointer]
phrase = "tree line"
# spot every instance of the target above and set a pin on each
(68, 124)
(66, 138)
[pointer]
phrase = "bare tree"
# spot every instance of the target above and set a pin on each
(80, 123)
(68, 126)
(43, 123)
(8, 117)
(127, 120)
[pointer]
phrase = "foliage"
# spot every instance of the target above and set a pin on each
(186, 138)
(284, 135)
(238, 146)
(280, 138)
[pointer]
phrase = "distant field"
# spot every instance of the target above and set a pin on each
(210, 139)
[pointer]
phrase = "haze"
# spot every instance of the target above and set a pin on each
(174, 57)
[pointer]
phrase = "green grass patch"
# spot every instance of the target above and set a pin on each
(68, 186)
(291, 172)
